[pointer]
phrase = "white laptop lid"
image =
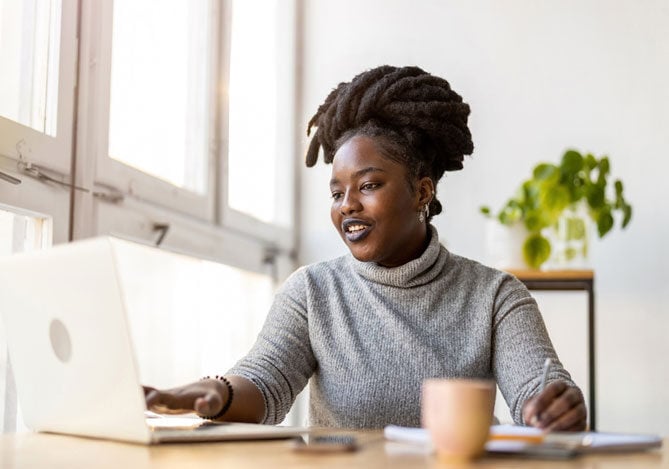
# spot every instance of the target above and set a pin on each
(69, 343)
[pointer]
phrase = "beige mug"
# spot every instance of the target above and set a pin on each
(457, 414)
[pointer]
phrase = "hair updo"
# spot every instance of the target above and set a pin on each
(414, 117)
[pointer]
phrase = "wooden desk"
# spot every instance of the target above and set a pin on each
(31, 450)
(570, 280)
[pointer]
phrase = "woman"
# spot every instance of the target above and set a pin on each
(367, 328)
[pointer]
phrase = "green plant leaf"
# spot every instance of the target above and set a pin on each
(604, 167)
(555, 199)
(590, 162)
(536, 250)
(595, 196)
(627, 214)
(575, 228)
(545, 171)
(529, 193)
(570, 253)
(572, 162)
(604, 222)
(619, 188)
(536, 220)
(511, 213)
(542, 199)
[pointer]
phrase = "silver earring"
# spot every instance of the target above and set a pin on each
(424, 214)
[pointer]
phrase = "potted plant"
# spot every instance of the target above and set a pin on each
(556, 202)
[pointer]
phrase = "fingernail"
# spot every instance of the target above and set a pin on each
(534, 421)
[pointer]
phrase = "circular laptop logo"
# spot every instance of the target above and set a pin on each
(60, 340)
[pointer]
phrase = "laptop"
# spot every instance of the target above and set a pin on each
(72, 353)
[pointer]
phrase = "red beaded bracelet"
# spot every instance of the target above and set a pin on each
(227, 404)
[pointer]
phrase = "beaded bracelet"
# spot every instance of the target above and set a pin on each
(227, 404)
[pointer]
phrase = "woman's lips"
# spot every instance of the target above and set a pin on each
(358, 235)
(355, 230)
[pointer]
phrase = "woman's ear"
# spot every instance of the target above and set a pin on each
(425, 191)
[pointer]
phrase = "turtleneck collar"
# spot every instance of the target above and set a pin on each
(417, 272)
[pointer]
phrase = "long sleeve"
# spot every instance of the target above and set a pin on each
(520, 346)
(281, 360)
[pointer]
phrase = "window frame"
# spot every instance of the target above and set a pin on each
(283, 237)
(20, 142)
(224, 234)
(115, 175)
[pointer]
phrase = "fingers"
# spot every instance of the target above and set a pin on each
(567, 412)
(534, 407)
(560, 408)
(572, 420)
(152, 396)
(159, 401)
(202, 397)
(557, 408)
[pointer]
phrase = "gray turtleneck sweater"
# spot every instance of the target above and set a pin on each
(367, 336)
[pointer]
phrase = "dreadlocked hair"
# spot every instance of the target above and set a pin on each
(414, 118)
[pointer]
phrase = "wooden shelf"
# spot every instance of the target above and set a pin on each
(531, 274)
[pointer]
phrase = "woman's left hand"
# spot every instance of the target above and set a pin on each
(557, 408)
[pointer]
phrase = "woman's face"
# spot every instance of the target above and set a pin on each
(374, 208)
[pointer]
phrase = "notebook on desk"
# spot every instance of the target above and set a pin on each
(531, 442)
(72, 355)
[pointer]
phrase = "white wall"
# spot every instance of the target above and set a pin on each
(540, 77)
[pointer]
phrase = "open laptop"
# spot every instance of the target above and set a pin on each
(72, 353)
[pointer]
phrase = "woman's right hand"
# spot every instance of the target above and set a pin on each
(204, 397)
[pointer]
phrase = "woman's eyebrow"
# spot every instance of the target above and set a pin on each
(359, 173)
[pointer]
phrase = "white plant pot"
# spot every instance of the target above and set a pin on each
(504, 245)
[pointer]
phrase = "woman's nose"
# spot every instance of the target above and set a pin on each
(350, 204)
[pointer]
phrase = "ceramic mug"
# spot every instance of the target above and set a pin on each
(457, 414)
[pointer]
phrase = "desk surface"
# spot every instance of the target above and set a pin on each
(32, 450)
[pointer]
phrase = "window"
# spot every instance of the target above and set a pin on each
(20, 231)
(253, 109)
(37, 81)
(189, 109)
(260, 157)
(38, 50)
(160, 90)
(30, 38)
(150, 118)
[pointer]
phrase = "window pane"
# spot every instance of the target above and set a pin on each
(253, 105)
(159, 117)
(19, 232)
(29, 62)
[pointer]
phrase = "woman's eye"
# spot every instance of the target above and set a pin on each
(370, 186)
(336, 195)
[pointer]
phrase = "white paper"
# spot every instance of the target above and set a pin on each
(580, 442)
